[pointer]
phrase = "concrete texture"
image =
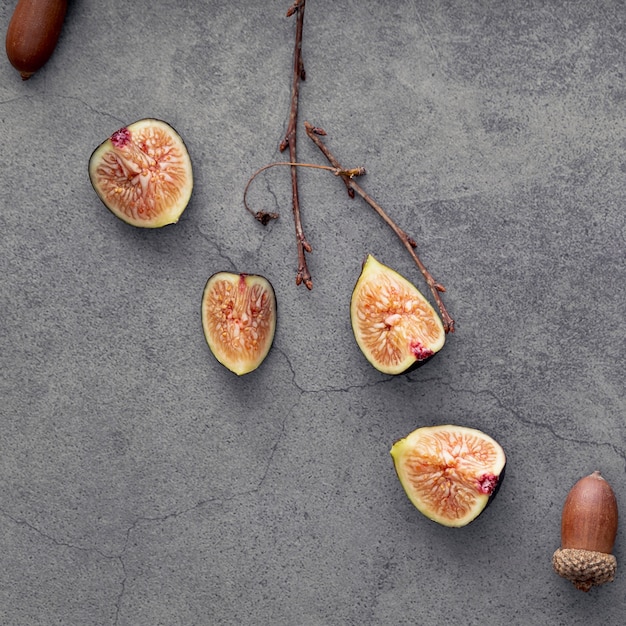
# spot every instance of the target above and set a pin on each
(144, 484)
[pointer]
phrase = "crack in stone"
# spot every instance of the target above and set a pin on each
(78, 548)
(268, 465)
(201, 503)
(217, 247)
(135, 526)
(272, 193)
(291, 369)
(16, 99)
(329, 389)
(120, 595)
(89, 107)
(54, 540)
(66, 97)
(536, 423)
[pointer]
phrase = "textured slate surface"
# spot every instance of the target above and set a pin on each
(144, 484)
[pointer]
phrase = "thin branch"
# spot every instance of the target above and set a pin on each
(303, 275)
(317, 131)
(436, 288)
(261, 215)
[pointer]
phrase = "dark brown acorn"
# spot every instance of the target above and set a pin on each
(33, 33)
(588, 530)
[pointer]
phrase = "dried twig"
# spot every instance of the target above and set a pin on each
(303, 275)
(314, 133)
(289, 141)
(350, 173)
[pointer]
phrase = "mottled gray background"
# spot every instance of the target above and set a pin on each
(144, 484)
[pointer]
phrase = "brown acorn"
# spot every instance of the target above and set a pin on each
(33, 33)
(588, 530)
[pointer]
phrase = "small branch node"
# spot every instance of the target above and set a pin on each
(316, 130)
(351, 173)
(294, 7)
(265, 217)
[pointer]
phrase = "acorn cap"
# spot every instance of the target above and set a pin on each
(584, 568)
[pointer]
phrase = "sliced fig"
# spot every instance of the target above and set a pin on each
(449, 472)
(239, 319)
(143, 174)
(393, 323)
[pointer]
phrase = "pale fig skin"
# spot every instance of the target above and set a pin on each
(590, 516)
(33, 34)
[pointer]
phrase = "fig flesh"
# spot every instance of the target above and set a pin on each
(393, 323)
(239, 319)
(449, 472)
(143, 174)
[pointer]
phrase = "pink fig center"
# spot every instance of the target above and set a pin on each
(419, 351)
(121, 137)
(487, 483)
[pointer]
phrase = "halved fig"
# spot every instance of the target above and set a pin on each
(239, 319)
(143, 174)
(393, 323)
(449, 472)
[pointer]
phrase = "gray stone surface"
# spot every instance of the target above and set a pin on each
(144, 484)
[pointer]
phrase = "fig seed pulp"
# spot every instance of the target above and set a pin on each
(449, 472)
(393, 323)
(239, 319)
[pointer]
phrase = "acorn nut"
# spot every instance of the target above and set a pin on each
(588, 530)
